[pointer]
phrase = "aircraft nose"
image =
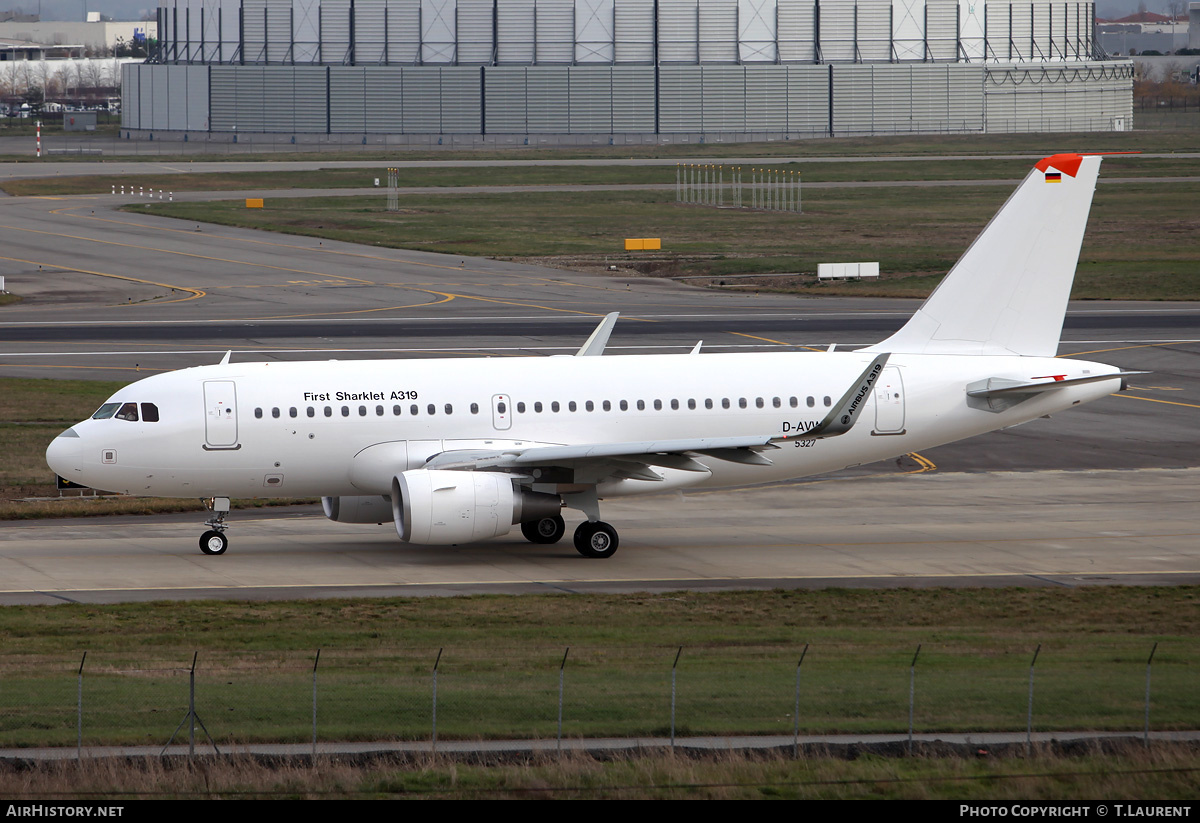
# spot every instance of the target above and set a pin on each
(63, 454)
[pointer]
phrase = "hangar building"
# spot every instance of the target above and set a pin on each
(513, 72)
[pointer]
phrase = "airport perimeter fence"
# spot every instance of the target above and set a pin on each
(400, 694)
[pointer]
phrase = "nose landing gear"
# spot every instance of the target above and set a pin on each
(214, 540)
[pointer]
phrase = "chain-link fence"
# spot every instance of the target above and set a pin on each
(401, 694)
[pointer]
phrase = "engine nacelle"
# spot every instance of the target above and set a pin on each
(372, 508)
(440, 507)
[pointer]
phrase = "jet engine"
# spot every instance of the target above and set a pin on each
(372, 508)
(440, 507)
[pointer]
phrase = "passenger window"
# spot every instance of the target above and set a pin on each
(641, 405)
(795, 401)
(414, 410)
(449, 409)
(812, 401)
(432, 409)
(724, 402)
(362, 411)
(828, 401)
(776, 402)
(624, 405)
(345, 411)
(571, 406)
(275, 412)
(674, 404)
(708, 403)
(537, 406)
(258, 414)
(758, 402)
(292, 411)
(589, 406)
(554, 406)
(658, 405)
(474, 408)
(149, 413)
(396, 410)
(379, 411)
(741, 402)
(106, 411)
(521, 407)
(311, 412)
(607, 406)
(329, 411)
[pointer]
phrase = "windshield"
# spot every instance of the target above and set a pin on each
(106, 411)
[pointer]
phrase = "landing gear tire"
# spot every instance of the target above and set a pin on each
(213, 542)
(547, 530)
(596, 539)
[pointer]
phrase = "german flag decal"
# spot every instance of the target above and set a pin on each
(1053, 177)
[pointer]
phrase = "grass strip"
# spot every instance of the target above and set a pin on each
(500, 658)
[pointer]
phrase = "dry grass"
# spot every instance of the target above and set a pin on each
(1129, 773)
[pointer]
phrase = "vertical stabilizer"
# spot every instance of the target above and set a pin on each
(1008, 293)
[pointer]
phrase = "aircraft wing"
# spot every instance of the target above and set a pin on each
(674, 454)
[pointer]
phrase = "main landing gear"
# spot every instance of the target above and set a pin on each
(214, 540)
(596, 539)
(593, 538)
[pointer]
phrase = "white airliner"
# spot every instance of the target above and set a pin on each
(456, 451)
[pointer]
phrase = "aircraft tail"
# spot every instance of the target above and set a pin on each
(1008, 293)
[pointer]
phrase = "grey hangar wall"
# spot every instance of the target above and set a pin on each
(465, 72)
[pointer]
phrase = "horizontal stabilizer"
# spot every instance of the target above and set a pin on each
(1000, 386)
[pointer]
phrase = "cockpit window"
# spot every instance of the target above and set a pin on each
(128, 411)
(106, 411)
(149, 413)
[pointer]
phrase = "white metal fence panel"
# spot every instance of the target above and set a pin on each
(555, 32)
(370, 32)
(797, 31)
(971, 31)
(633, 99)
(335, 32)
(279, 31)
(504, 91)
(421, 106)
(306, 31)
(514, 32)
(837, 31)
(590, 95)
(384, 99)
(679, 31)
(439, 31)
(724, 98)
(680, 99)
(875, 30)
(549, 104)
(254, 28)
(718, 26)
(941, 29)
(404, 32)
(1021, 32)
(461, 103)
(908, 29)
(766, 98)
(475, 46)
(808, 99)
(634, 22)
(594, 31)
